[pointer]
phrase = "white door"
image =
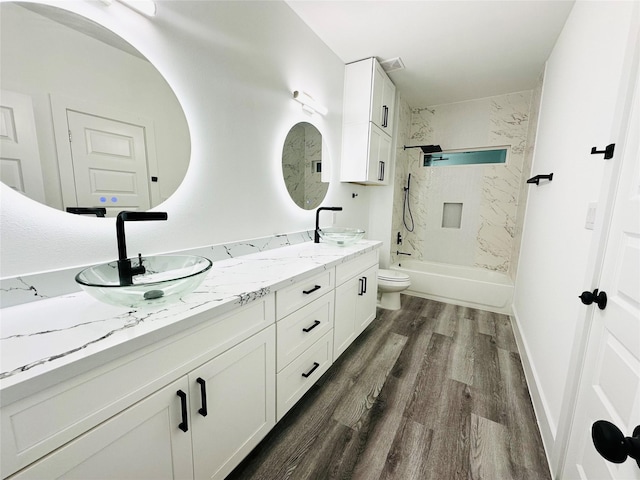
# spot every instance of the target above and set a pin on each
(20, 166)
(610, 384)
(109, 163)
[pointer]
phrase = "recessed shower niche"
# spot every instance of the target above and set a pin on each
(451, 215)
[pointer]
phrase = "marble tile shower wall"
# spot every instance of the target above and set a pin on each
(292, 168)
(40, 286)
(490, 194)
(301, 151)
(313, 186)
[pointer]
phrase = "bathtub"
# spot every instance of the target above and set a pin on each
(466, 286)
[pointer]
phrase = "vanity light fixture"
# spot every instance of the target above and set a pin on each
(309, 105)
(145, 7)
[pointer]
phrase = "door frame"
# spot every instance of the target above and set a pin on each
(59, 106)
(24, 122)
(604, 213)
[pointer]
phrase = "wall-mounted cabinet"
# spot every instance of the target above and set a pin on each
(369, 107)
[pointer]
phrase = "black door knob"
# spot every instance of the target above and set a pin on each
(599, 297)
(613, 445)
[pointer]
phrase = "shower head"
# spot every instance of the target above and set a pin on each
(425, 148)
(408, 183)
(430, 148)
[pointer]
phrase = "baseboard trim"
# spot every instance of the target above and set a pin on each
(545, 423)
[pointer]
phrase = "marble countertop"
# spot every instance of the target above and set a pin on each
(49, 341)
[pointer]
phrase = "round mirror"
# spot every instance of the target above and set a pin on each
(302, 157)
(86, 121)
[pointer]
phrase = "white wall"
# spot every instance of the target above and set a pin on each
(233, 66)
(578, 107)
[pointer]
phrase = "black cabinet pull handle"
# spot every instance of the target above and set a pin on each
(385, 116)
(315, 365)
(203, 394)
(360, 286)
(307, 292)
(381, 171)
(364, 288)
(184, 426)
(308, 329)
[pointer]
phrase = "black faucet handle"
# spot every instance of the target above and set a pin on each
(133, 216)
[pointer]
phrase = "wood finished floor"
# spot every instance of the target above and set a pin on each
(432, 391)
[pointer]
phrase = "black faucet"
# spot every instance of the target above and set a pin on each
(126, 271)
(316, 236)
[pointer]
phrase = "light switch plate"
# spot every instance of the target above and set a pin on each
(591, 216)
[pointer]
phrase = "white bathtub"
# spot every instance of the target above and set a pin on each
(466, 286)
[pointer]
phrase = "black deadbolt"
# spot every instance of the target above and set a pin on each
(599, 297)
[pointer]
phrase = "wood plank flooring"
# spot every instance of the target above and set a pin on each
(431, 391)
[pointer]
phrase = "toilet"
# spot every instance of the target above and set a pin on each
(390, 284)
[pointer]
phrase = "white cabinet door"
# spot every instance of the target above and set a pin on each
(379, 155)
(142, 442)
(355, 308)
(383, 101)
(366, 154)
(237, 389)
(366, 302)
(345, 319)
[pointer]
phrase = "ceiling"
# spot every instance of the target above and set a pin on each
(453, 50)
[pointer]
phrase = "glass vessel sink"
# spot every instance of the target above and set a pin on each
(166, 279)
(341, 236)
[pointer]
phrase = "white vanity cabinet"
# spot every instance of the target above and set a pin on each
(369, 105)
(143, 417)
(305, 337)
(192, 397)
(356, 297)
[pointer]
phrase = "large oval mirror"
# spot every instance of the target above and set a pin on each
(302, 157)
(86, 121)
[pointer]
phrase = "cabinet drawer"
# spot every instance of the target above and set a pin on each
(353, 267)
(35, 426)
(300, 375)
(301, 329)
(290, 299)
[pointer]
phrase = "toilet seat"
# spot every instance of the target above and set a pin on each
(392, 276)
